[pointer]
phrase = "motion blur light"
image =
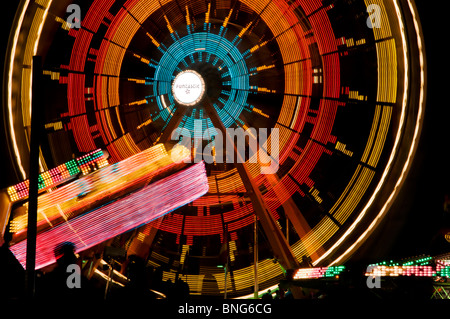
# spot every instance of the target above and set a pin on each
(188, 88)
(261, 71)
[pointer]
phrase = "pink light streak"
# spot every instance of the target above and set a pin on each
(115, 218)
(100, 187)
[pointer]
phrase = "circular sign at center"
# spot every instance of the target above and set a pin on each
(188, 88)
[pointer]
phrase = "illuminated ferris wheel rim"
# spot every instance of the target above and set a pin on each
(414, 144)
(406, 63)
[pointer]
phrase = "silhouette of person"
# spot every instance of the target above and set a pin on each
(12, 275)
(288, 295)
(181, 290)
(267, 295)
(55, 283)
(136, 290)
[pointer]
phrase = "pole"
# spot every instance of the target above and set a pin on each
(36, 124)
(281, 249)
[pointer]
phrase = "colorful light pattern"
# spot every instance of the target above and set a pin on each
(318, 272)
(52, 178)
(420, 267)
(296, 44)
(46, 180)
(117, 217)
(99, 187)
(92, 161)
(418, 271)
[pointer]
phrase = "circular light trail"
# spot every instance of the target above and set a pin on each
(348, 102)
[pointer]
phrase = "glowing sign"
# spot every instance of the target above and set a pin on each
(422, 267)
(318, 272)
(46, 180)
(188, 88)
(62, 173)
